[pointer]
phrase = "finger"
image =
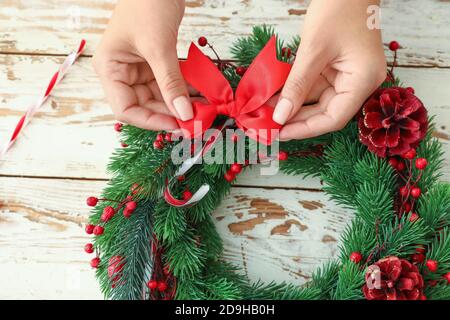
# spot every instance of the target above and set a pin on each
(166, 69)
(340, 110)
(316, 91)
(146, 119)
(305, 71)
(313, 109)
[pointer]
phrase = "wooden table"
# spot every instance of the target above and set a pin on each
(274, 228)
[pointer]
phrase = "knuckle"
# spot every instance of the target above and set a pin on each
(296, 87)
(120, 117)
(172, 81)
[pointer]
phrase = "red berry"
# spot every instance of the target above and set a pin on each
(447, 277)
(229, 176)
(89, 248)
(432, 283)
(236, 168)
(131, 205)
(168, 137)
(432, 265)
(123, 144)
(127, 213)
(89, 228)
(108, 213)
(181, 178)
(286, 52)
(407, 207)
(355, 257)
(92, 201)
(98, 230)
(416, 192)
(421, 249)
(404, 191)
(166, 270)
(160, 137)
(158, 145)
(152, 284)
(241, 70)
(118, 126)
(394, 46)
(414, 217)
(393, 162)
(417, 258)
(401, 166)
(95, 262)
(202, 41)
(421, 163)
(283, 155)
(187, 195)
(411, 154)
(162, 286)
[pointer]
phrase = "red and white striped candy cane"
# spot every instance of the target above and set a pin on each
(57, 77)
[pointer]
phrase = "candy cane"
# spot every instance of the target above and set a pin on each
(57, 77)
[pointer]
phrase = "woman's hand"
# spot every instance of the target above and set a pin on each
(138, 65)
(339, 61)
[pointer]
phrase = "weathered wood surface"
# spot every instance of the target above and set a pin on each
(54, 26)
(289, 232)
(73, 135)
(271, 233)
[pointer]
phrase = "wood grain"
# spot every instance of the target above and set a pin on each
(55, 26)
(289, 232)
(73, 135)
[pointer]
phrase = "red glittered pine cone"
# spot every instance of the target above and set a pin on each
(392, 278)
(393, 121)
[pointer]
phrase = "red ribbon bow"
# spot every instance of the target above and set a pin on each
(264, 77)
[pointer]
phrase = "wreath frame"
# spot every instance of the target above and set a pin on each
(148, 249)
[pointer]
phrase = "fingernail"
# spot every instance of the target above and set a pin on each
(183, 107)
(282, 111)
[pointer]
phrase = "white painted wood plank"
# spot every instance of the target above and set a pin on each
(55, 26)
(73, 135)
(269, 234)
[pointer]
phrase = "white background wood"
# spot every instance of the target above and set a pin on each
(273, 234)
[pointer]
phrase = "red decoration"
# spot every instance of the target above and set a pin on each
(127, 213)
(283, 156)
(123, 144)
(89, 228)
(241, 71)
(158, 145)
(414, 217)
(447, 277)
(168, 137)
(162, 286)
(410, 154)
(417, 258)
(286, 52)
(407, 207)
(187, 195)
(229, 176)
(401, 166)
(202, 41)
(89, 248)
(131, 205)
(236, 168)
(416, 192)
(118, 126)
(95, 262)
(356, 257)
(152, 284)
(394, 46)
(160, 137)
(393, 121)
(115, 266)
(393, 162)
(421, 163)
(404, 191)
(248, 106)
(181, 178)
(432, 265)
(98, 230)
(92, 201)
(108, 213)
(392, 278)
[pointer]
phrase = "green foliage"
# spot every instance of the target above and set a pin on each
(352, 176)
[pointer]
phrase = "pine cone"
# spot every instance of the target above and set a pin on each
(392, 278)
(392, 122)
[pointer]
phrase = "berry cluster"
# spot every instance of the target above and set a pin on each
(161, 140)
(128, 205)
(162, 284)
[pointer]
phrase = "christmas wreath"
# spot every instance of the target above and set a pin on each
(155, 239)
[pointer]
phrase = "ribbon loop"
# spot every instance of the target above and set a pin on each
(264, 77)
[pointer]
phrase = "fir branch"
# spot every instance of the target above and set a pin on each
(349, 283)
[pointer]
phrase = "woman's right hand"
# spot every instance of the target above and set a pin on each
(138, 65)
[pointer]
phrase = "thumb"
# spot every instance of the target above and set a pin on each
(166, 69)
(305, 71)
